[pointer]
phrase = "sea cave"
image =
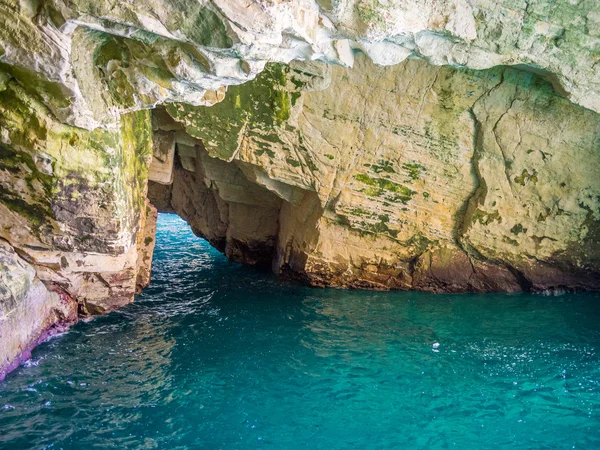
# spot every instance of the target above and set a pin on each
(299, 224)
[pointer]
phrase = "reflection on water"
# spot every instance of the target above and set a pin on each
(215, 355)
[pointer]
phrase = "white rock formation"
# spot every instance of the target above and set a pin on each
(156, 51)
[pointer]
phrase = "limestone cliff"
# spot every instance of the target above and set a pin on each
(72, 202)
(439, 145)
(411, 176)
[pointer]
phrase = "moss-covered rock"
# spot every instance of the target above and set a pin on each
(67, 193)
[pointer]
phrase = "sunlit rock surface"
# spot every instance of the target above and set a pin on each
(441, 146)
(411, 176)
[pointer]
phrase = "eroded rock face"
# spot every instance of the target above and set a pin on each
(411, 176)
(73, 208)
(29, 311)
(72, 200)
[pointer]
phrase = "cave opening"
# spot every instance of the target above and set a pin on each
(250, 217)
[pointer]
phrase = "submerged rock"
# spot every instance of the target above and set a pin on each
(447, 146)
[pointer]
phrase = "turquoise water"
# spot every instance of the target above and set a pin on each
(218, 356)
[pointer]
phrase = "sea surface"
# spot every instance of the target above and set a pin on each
(214, 355)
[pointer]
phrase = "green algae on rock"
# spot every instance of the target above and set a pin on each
(414, 184)
(72, 199)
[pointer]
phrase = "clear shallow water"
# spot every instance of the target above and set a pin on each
(214, 355)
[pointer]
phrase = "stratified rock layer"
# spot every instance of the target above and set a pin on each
(410, 176)
(29, 311)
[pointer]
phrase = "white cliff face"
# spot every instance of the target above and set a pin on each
(92, 61)
(411, 176)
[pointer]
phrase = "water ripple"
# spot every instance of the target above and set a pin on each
(216, 355)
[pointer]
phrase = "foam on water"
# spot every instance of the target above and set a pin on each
(215, 355)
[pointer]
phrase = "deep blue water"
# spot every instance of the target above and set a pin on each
(214, 355)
